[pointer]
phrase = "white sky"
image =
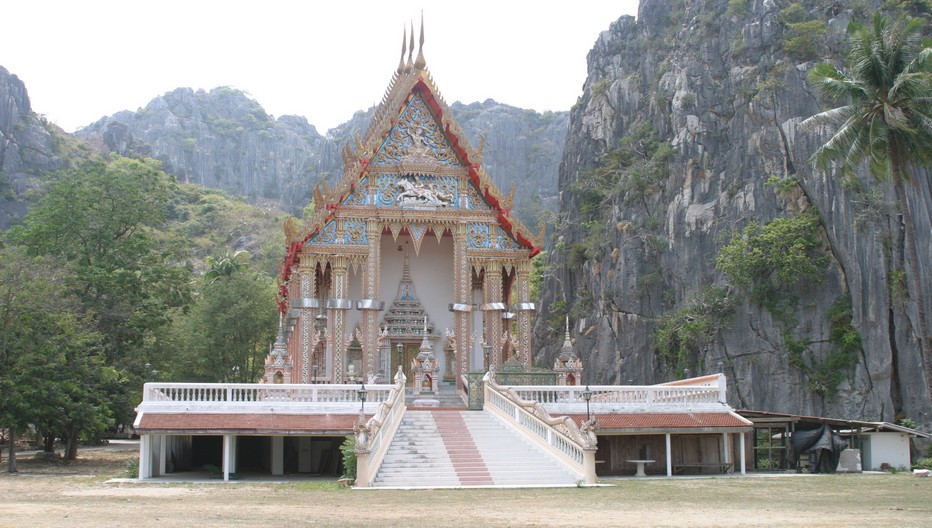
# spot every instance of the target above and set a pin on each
(82, 60)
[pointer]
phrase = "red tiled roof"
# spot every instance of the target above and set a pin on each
(637, 421)
(342, 423)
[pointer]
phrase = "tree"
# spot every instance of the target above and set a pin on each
(225, 334)
(103, 221)
(49, 355)
(885, 121)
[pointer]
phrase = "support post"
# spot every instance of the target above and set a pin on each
(743, 458)
(145, 457)
(163, 454)
(227, 447)
(278, 455)
(462, 282)
(669, 456)
(589, 463)
(363, 478)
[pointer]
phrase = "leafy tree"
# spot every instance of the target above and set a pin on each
(225, 335)
(885, 121)
(49, 355)
(102, 220)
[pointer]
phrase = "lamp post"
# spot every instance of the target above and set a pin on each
(587, 395)
(401, 350)
(488, 355)
(362, 392)
(235, 370)
(151, 373)
(316, 366)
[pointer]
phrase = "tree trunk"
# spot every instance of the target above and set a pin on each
(12, 457)
(915, 287)
(48, 443)
(71, 445)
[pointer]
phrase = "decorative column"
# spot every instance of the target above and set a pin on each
(524, 308)
(492, 310)
(307, 304)
(338, 304)
(370, 305)
(462, 279)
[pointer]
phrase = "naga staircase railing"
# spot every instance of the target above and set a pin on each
(574, 445)
(374, 436)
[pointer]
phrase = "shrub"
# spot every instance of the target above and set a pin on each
(348, 450)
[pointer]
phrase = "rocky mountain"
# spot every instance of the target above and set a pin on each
(224, 139)
(30, 147)
(687, 133)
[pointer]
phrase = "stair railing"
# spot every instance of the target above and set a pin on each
(374, 436)
(559, 436)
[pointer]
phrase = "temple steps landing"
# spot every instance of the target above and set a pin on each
(460, 448)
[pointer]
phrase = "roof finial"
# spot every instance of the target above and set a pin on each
(404, 48)
(420, 63)
(410, 64)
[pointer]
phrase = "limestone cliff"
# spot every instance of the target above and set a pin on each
(224, 139)
(29, 148)
(709, 94)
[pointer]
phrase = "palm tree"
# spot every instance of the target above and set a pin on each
(885, 120)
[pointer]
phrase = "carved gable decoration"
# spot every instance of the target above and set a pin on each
(416, 143)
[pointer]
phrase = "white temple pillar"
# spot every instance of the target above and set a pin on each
(278, 455)
(669, 456)
(227, 448)
(742, 453)
(145, 457)
(163, 454)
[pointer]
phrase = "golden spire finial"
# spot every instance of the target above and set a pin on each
(410, 64)
(404, 48)
(420, 63)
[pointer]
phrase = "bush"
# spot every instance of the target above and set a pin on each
(348, 449)
(131, 470)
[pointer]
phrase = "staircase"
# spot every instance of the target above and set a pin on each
(454, 448)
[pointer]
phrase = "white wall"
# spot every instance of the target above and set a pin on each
(890, 448)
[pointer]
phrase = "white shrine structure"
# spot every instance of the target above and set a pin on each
(416, 220)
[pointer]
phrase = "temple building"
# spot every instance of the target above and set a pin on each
(414, 212)
(412, 279)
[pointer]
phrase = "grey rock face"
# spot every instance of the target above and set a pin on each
(29, 148)
(223, 139)
(719, 86)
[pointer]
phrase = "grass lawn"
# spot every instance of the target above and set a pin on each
(51, 495)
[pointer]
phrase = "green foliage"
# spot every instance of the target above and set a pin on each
(131, 468)
(348, 450)
(898, 288)
(682, 334)
(806, 40)
(736, 8)
(907, 422)
(630, 173)
(782, 185)
(538, 269)
(793, 13)
(774, 257)
(224, 335)
(600, 88)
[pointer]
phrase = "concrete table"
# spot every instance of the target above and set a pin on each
(640, 463)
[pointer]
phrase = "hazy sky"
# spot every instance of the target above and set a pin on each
(82, 60)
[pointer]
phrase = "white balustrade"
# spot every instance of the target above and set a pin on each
(551, 433)
(256, 393)
(641, 395)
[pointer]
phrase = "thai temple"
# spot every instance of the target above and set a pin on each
(406, 319)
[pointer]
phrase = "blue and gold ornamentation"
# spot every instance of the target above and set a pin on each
(505, 241)
(360, 194)
(477, 235)
(415, 139)
(354, 232)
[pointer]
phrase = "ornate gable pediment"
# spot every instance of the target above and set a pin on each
(416, 144)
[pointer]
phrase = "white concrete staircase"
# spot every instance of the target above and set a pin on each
(452, 448)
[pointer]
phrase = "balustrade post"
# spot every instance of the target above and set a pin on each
(589, 465)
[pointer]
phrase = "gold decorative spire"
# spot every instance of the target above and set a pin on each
(420, 63)
(410, 64)
(404, 49)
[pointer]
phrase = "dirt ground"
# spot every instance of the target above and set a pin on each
(54, 494)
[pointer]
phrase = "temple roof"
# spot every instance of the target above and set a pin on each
(412, 134)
